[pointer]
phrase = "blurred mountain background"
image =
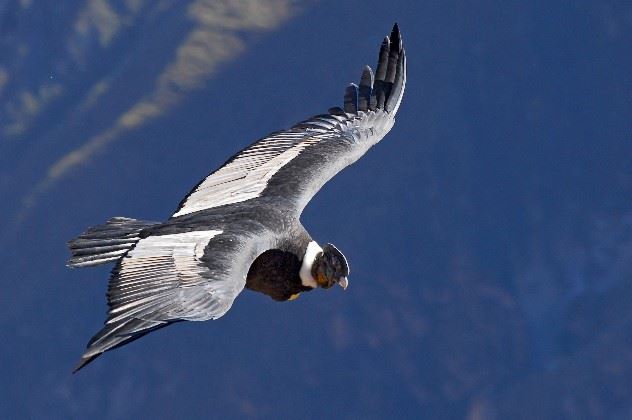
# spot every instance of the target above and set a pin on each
(489, 235)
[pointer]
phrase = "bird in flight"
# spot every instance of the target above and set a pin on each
(239, 227)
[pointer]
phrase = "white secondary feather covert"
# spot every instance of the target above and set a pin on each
(248, 174)
(177, 285)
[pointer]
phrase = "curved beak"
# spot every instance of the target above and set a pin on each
(343, 282)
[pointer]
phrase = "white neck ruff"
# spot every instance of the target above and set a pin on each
(312, 251)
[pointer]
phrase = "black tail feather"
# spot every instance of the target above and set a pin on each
(107, 242)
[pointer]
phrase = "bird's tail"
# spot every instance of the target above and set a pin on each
(107, 242)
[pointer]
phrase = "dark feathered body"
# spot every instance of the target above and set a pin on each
(276, 274)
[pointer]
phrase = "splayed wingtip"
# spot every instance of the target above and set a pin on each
(84, 361)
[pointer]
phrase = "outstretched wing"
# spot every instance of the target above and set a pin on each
(168, 278)
(291, 166)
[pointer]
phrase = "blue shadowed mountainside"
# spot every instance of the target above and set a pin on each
(489, 234)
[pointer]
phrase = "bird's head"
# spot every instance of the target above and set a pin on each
(330, 267)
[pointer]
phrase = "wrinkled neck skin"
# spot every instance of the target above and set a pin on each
(317, 266)
(318, 272)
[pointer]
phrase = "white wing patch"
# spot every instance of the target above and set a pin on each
(162, 278)
(187, 244)
(248, 174)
